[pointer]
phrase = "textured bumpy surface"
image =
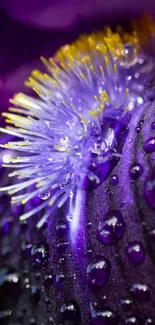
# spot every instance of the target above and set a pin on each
(87, 153)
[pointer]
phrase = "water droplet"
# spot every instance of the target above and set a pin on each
(26, 249)
(32, 321)
(98, 271)
(132, 320)
(61, 260)
(49, 280)
(5, 315)
(40, 254)
(51, 320)
(112, 229)
(136, 171)
(152, 235)
(35, 293)
(47, 300)
(149, 321)
(141, 122)
(129, 58)
(149, 189)
(153, 126)
(88, 225)
(26, 280)
(136, 252)
(62, 229)
(126, 304)
(37, 275)
(149, 145)
(100, 303)
(137, 129)
(88, 252)
(27, 284)
(114, 180)
(62, 246)
(69, 217)
(60, 280)
(70, 312)
(104, 317)
(106, 190)
(45, 195)
(141, 292)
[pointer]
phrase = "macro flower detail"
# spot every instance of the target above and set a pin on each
(93, 261)
(69, 135)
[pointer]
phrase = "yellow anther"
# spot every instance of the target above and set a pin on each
(115, 68)
(37, 74)
(70, 65)
(127, 91)
(92, 67)
(64, 103)
(63, 66)
(96, 98)
(106, 60)
(101, 69)
(82, 76)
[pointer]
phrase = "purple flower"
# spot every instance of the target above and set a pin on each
(96, 266)
(70, 136)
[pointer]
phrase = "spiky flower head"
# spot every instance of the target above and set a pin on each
(68, 137)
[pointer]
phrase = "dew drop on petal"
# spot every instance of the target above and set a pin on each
(114, 180)
(35, 293)
(5, 315)
(70, 312)
(141, 292)
(69, 217)
(136, 171)
(112, 229)
(126, 304)
(152, 234)
(40, 254)
(104, 317)
(45, 195)
(149, 145)
(130, 57)
(153, 126)
(60, 280)
(49, 280)
(62, 246)
(26, 249)
(61, 228)
(137, 129)
(98, 271)
(32, 321)
(149, 321)
(136, 252)
(132, 320)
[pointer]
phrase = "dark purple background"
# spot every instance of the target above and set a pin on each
(29, 29)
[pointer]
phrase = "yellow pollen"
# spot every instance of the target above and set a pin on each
(115, 68)
(127, 91)
(82, 76)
